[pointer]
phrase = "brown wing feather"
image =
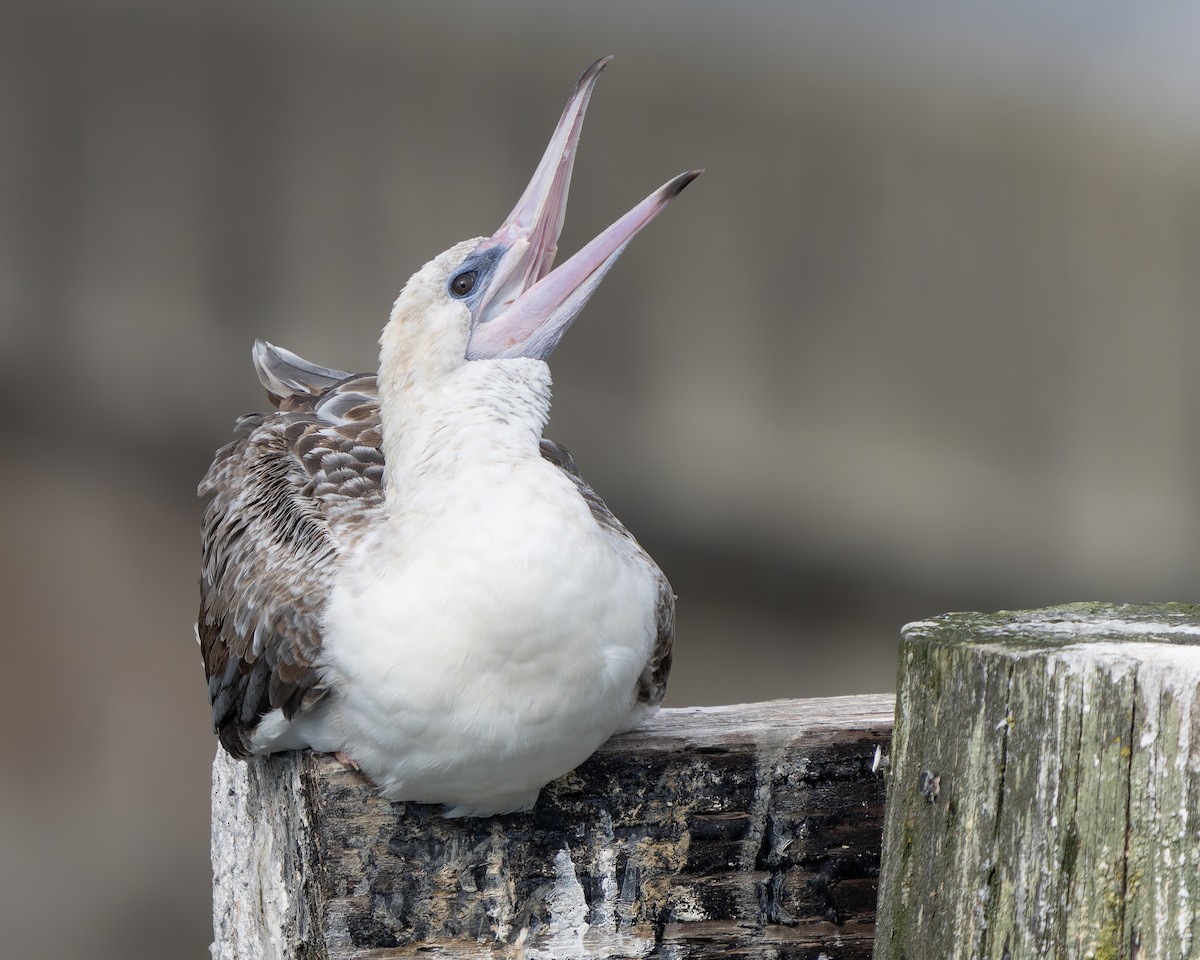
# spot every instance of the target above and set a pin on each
(288, 495)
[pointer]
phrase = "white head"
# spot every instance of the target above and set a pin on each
(498, 298)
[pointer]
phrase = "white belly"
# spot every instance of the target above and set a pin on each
(474, 661)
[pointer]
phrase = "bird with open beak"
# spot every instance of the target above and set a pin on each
(398, 568)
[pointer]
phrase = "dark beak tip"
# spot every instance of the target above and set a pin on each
(675, 187)
(592, 70)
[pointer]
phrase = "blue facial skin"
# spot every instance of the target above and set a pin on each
(482, 264)
(538, 345)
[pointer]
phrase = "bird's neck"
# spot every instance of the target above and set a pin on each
(475, 418)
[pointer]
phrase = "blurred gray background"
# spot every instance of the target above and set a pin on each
(922, 338)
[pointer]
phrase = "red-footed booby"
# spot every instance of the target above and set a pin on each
(399, 569)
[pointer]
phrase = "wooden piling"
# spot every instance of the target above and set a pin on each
(1044, 796)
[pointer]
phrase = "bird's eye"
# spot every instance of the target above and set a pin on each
(464, 283)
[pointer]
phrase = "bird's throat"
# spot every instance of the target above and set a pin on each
(479, 418)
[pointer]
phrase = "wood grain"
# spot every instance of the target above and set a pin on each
(1045, 790)
(749, 831)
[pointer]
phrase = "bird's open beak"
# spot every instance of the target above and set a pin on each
(527, 306)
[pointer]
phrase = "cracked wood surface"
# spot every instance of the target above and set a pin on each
(1044, 788)
(749, 831)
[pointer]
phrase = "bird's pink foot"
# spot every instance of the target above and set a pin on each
(346, 760)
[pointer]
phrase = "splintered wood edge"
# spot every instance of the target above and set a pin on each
(739, 722)
(742, 726)
(769, 729)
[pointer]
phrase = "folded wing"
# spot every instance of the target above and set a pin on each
(295, 488)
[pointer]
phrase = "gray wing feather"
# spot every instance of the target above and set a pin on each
(284, 374)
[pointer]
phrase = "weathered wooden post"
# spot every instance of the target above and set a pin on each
(750, 831)
(1044, 795)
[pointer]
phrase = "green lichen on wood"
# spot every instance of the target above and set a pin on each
(1065, 817)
